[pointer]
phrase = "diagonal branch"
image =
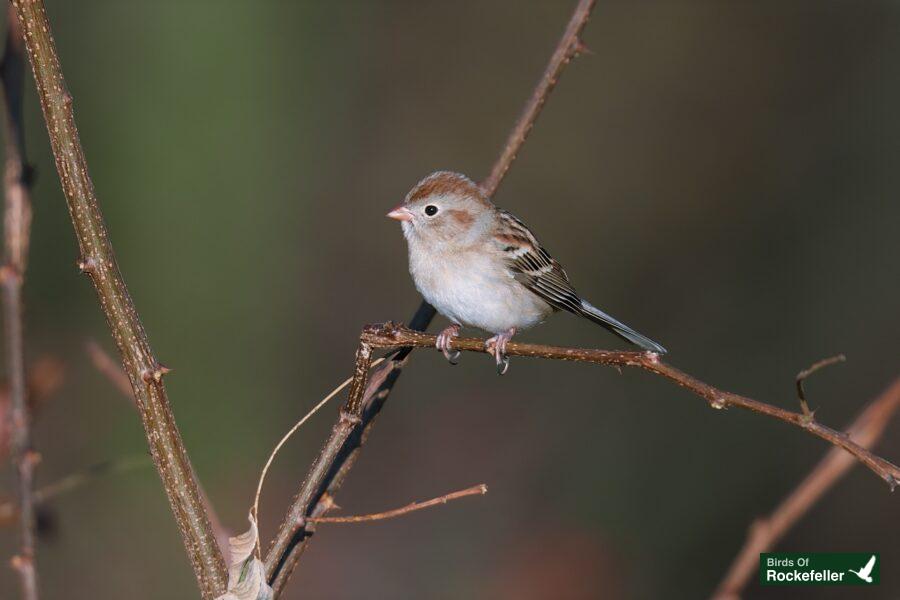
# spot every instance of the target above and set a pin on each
(390, 336)
(16, 232)
(568, 48)
(99, 262)
(292, 538)
(766, 532)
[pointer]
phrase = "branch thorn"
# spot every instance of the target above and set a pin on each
(155, 375)
(87, 265)
(579, 48)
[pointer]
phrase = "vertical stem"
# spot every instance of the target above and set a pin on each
(99, 262)
(16, 229)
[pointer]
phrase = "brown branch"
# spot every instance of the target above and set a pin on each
(475, 490)
(390, 336)
(766, 532)
(98, 261)
(282, 557)
(568, 48)
(16, 231)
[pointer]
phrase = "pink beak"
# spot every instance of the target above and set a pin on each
(401, 213)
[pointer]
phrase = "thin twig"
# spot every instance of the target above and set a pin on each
(98, 261)
(568, 48)
(802, 375)
(475, 490)
(766, 532)
(390, 336)
(16, 231)
(73, 481)
(289, 545)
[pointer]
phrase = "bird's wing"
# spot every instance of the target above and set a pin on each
(533, 267)
(869, 565)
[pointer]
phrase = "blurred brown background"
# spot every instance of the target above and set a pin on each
(721, 175)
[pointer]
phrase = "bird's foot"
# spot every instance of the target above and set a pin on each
(496, 347)
(444, 339)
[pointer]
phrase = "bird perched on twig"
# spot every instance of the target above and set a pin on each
(480, 266)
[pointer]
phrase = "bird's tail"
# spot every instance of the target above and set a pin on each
(620, 329)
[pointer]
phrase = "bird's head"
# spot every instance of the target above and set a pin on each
(443, 207)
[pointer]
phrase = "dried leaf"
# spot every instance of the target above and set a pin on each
(246, 573)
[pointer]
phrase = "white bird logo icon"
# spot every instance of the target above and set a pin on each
(866, 572)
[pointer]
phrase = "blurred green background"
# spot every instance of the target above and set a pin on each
(721, 175)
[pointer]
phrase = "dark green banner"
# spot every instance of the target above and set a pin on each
(819, 568)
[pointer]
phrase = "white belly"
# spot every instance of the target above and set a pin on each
(470, 289)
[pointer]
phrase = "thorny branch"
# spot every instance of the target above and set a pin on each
(16, 231)
(389, 336)
(766, 532)
(99, 263)
(292, 538)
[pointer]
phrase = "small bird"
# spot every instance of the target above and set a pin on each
(480, 266)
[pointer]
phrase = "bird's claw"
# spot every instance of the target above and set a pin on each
(502, 364)
(496, 347)
(443, 341)
(452, 357)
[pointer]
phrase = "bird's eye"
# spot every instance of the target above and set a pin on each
(431, 210)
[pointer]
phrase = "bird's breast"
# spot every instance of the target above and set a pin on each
(475, 288)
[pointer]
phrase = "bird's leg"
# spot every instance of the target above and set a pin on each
(443, 343)
(496, 346)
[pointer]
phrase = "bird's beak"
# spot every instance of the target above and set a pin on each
(401, 213)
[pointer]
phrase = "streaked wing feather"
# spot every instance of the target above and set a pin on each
(533, 267)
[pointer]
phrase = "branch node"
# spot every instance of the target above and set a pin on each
(808, 417)
(87, 265)
(32, 458)
(327, 503)
(21, 562)
(156, 374)
(347, 418)
(579, 48)
(10, 274)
